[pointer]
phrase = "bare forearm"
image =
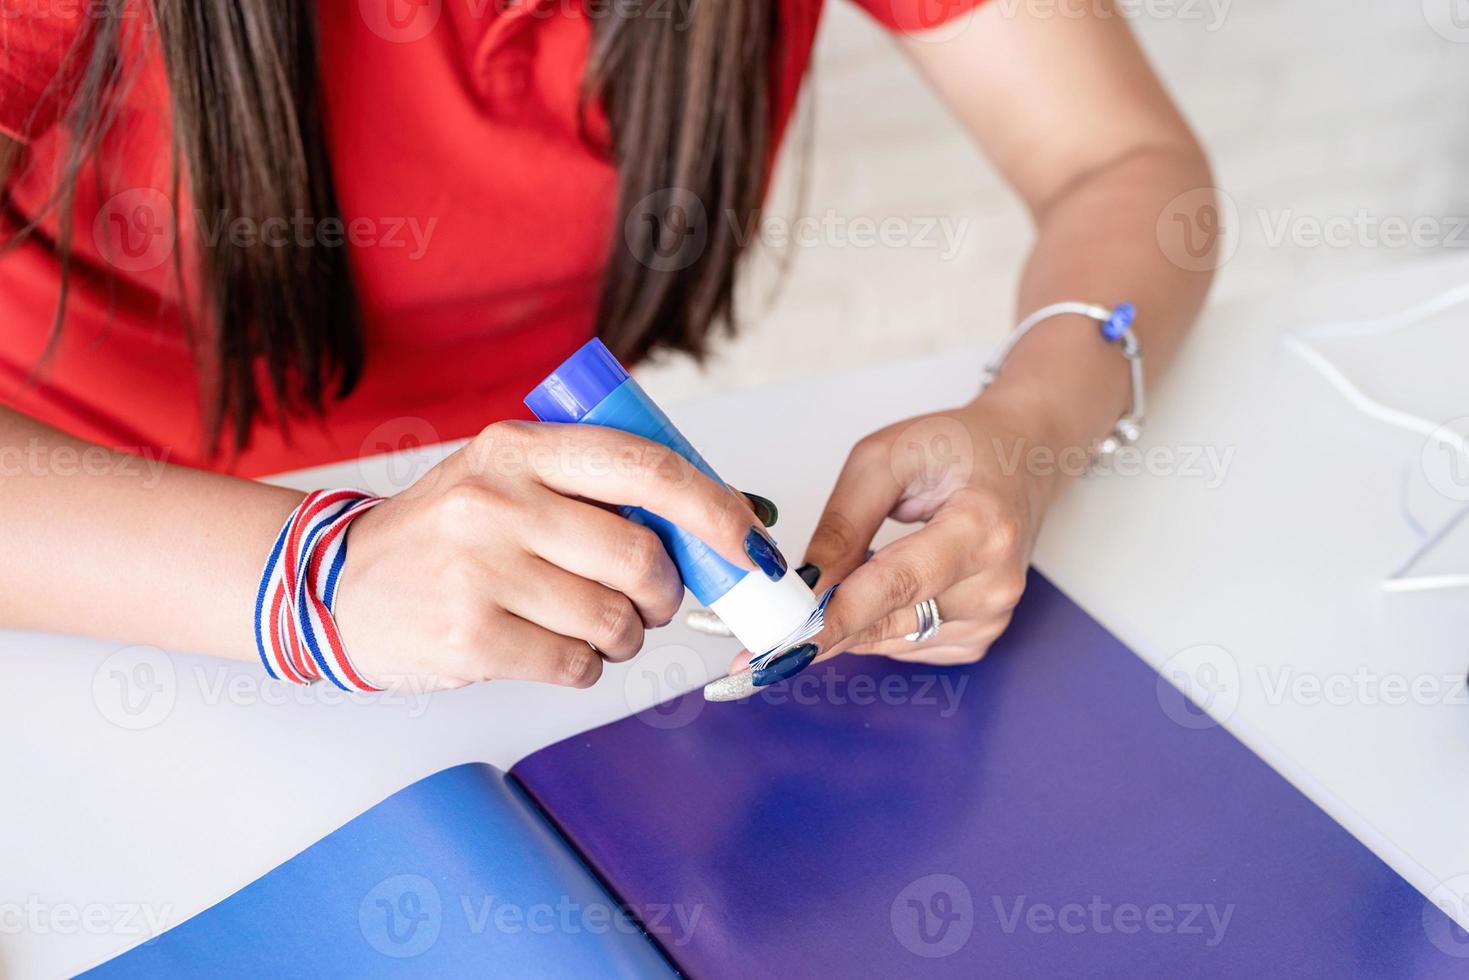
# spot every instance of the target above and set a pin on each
(1098, 241)
(106, 544)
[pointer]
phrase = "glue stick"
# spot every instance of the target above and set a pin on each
(592, 388)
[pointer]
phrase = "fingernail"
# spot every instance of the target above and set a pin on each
(793, 661)
(764, 509)
(705, 621)
(765, 554)
(809, 574)
(735, 687)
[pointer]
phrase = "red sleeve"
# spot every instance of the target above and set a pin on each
(915, 16)
(38, 68)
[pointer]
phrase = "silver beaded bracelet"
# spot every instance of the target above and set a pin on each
(1116, 328)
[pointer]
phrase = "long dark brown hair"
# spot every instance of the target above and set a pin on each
(686, 88)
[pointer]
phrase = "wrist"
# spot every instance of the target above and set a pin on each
(1069, 384)
(1025, 444)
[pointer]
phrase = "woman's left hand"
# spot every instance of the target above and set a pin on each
(971, 476)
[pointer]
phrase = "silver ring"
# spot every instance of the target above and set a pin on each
(929, 621)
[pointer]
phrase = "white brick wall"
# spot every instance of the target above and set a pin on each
(1311, 109)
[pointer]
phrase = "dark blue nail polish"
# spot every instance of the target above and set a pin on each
(765, 554)
(764, 509)
(810, 574)
(793, 661)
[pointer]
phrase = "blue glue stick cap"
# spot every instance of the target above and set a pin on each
(578, 385)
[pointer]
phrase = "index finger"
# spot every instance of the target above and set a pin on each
(616, 467)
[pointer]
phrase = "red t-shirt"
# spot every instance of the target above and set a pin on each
(476, 218)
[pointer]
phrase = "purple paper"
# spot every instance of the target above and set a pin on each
(1037, 814)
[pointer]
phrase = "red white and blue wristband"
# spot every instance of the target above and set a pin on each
(295, 632)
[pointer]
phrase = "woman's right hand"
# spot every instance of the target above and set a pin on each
(503, 562)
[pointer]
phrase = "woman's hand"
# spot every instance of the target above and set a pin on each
(965, 475)
(503, 563)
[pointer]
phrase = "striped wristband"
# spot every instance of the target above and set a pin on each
(295, 632)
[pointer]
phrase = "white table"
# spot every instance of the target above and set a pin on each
(141, 787)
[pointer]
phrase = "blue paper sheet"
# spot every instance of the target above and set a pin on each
(456, 875)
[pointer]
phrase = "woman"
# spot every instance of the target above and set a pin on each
(244, 233)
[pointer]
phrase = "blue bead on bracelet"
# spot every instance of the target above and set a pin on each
(1115, 327)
